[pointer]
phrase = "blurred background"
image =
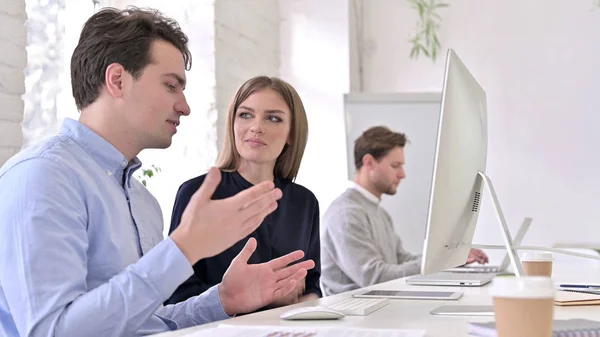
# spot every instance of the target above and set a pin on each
(538, 60)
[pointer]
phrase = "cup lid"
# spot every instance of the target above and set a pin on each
(523, 287)
(536, 256)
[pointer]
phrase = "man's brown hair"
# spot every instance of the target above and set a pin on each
(124, 37)
(377, 141)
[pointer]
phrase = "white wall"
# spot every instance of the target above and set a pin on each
(542, 67)
(315, 60)
(74, 16)
(246, 45)
(13, 59)
(541, 73)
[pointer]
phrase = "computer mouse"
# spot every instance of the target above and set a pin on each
(311, 313)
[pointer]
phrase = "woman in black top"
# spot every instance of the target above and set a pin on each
(266, 134)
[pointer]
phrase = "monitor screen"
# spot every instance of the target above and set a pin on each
(461, 150)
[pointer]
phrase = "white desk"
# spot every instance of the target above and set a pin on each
(415, 314)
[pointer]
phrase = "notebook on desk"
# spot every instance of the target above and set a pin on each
(561, 328)
(572, 298)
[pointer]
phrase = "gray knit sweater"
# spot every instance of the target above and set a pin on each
(359, 246)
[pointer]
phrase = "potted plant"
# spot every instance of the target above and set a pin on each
(147, 174)
(426, 41)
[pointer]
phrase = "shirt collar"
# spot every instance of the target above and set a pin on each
(364, 192)
(108, 157)
(243, 183)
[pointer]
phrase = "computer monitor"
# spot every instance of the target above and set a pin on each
(459, 177)
(460, 155)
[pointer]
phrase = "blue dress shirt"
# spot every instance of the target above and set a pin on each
(81, 246)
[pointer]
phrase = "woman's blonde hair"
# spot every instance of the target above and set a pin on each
(288, 162)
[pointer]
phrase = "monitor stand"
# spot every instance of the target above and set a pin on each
(508, 243)
(488, 310)
(502, 268)
(463, 310)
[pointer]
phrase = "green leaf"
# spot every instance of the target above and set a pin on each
(425, 40)
(414, 52)
(428, 31)
(421, 11)
(415, 4)
(436, 42)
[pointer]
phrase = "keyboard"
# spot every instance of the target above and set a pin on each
(358, 306)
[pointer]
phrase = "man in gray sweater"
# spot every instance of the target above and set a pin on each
(359, 247)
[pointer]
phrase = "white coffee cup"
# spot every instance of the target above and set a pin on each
(537, 263)
(523, 306)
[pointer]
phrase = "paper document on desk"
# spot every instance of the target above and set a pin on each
(286, 331)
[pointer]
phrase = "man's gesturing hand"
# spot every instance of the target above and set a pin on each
(208, 227)
(247, 287)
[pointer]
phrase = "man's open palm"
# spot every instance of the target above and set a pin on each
(247, 287)
(208, 226)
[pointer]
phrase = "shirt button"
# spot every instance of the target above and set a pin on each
(124, 164)
(109, 173)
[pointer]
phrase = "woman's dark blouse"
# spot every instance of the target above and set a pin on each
(294, 225)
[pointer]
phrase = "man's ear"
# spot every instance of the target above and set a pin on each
(368, 161)
(116, 79)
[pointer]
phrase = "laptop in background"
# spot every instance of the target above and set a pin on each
(452, 279)
(502, 268)
(470, 276)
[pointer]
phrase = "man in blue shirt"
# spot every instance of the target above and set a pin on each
(81, 247)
